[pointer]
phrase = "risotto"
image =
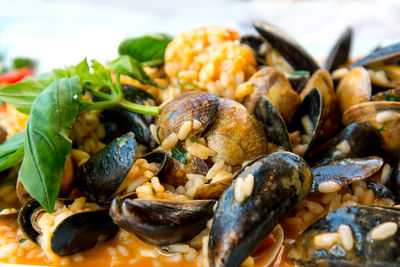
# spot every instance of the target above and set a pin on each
(206, 149)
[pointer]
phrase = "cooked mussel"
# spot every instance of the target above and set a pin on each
(346, 171)
(308, 119)
(274, 125)
(121, 121)
(279, 181)
(274, 85)
(379, 55)
(355, 237)
(354, 88)
(339, 54)
(102, 175)
(357, 140)
(296, 55)
(162, 222)
(75, 233)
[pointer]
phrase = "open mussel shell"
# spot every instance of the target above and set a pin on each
(395, 180)
(281, 180)
(381, 191)
(357, 140)
(121, 121)
(321, 79)
(384, 116)
(298, 80)
(174, 172)
(213, 190)
(354, 88)
(364, 251)
(162, 222)
(294, 54)
(189, 106)
(274, 85)
(259, 46)
(265, 257)
(274, 125)
(101, 176)
(236, 135)
(76, 233)
(345, 171)
(310, 108)
(339, 54)
(379, 56)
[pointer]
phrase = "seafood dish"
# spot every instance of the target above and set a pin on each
(205, 149)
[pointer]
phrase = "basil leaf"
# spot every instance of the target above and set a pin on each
(179, 154)
(148, 50)
(101, 76)
(12, 151)
(21, 62)
(127, 65)
(46, 140)
(21, 95)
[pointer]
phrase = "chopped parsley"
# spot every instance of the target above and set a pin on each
(391, 97)
(381, 129)
(179, 154)
(300, 73)
(194, 140)
(22, 240)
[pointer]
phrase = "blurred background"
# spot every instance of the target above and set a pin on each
(61, 32)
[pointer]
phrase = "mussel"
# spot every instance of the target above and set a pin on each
(351, 236)
(162, 222)
(75, 233)
(279, 181)
(339, 54)
(357, 140)
(102, 175)
(296, 55)
(128, 121)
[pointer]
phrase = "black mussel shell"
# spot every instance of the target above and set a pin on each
(102, 174)
(379, 55)
(365, 252)
(274, 125)
(339, 54)
(281, 180)
(162, 222)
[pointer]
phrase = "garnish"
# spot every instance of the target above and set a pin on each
(21, 62)
(171, 114)
(46, 140)
(300, 73)
(381, 129)
(391, 97)
(148, 50)
(179, 154)
(12, 151)
(158, 135)
(194, 140)
(22, 240)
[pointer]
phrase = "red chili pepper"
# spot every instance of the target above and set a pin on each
(15, 75)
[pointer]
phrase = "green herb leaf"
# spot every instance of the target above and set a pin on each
(12, 151)
(194, 140)
(381, 129)
(391, 97)
(22, 240)
(179, 154)
(158, 135)
(127, 65)
(21, 95)
(300, 73)
(148, 50)
(46, 141)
